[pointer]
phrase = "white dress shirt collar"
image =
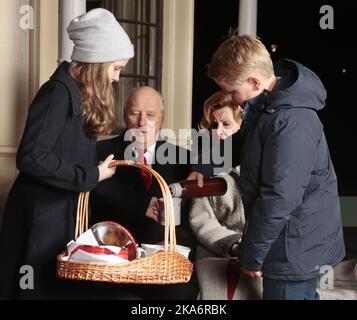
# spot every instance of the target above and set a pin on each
(149, 154)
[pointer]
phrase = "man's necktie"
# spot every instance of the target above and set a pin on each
(145, 174)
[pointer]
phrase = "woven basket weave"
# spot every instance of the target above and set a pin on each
(163, 267)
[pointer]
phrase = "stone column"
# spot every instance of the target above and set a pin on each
(68, 10)
(248, 17)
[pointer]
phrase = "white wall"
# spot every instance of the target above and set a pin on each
(27, 58)
(14, 88)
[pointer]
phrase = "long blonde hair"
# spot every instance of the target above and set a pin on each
(97, 96)
(215, 102)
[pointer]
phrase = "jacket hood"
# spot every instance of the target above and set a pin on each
(62, 75)
(298, 87)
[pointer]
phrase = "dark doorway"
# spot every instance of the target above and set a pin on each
(213, 22)
(295, 28)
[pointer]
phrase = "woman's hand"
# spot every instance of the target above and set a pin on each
(153, 210)
(104, 171)
(194, 175)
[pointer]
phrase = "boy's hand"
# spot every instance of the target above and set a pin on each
(194, 175)
(251, 273)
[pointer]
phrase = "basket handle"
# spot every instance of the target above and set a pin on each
(170, 231)
(82, 214)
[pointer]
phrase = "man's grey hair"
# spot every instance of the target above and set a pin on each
(132, 92)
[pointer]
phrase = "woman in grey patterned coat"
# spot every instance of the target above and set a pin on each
(218, 222)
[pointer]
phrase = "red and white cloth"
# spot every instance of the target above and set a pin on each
(86, 248)
(107, 254)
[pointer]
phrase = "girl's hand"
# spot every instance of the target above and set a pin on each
(104, 171)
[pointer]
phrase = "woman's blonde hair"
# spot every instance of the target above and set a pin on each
(215, 102)
(97, 96)
(237, 58)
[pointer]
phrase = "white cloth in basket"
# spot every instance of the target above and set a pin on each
(87, 248)
(83, 252)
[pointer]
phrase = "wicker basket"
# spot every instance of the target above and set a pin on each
(163, 267)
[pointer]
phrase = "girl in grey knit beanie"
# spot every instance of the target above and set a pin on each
(101, 49)
(98, 37)
(57, 156)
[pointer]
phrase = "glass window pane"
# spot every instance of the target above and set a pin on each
(144, 41)
(142, 44)
(153, 12)
(125, 9)
(130, 29)
(121, 92)
(152, 83)
(153, 54)
(135, 16)
(129, 68)
(138, 10)
(92, 4)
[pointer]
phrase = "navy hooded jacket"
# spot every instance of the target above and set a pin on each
(288, 183)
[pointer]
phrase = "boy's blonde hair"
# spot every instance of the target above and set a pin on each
(237, 58)
(215, 102)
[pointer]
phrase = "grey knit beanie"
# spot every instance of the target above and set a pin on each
(98, 37)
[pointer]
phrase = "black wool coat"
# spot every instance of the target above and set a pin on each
(56, 161)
